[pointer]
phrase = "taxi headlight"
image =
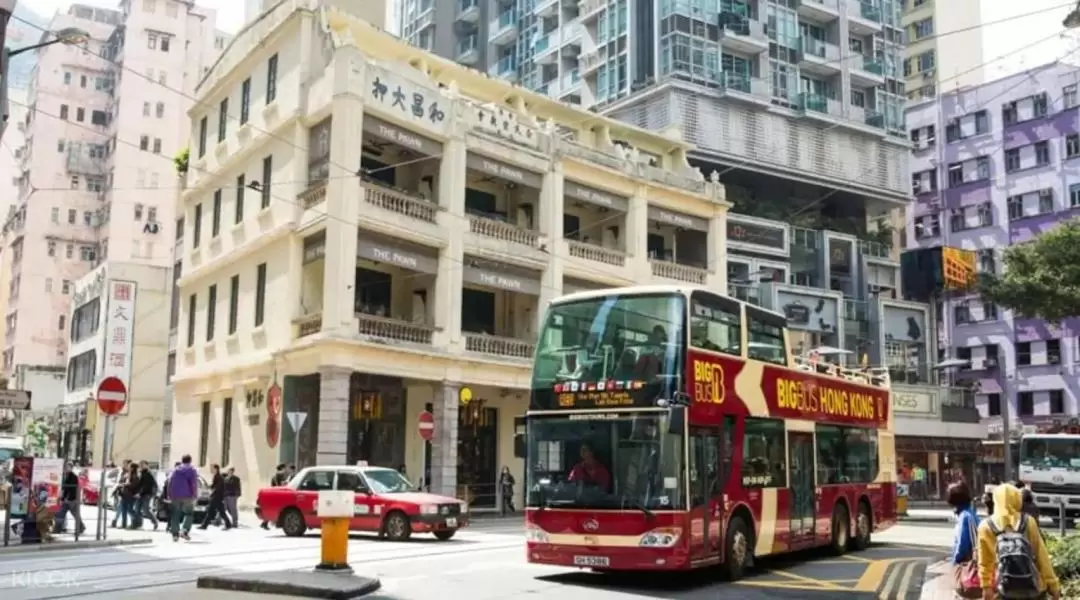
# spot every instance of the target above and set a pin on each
(429, 509)
(536, 535)
(660, 538)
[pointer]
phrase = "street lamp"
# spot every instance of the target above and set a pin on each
(67, 35)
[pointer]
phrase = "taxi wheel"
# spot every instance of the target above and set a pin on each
(864, 524)
(396, 527)
(444, 535)
(737, 549)
(292, 523)
(841, 529)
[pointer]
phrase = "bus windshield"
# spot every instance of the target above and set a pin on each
(618, 337)
(1044, 453)
(604, 461)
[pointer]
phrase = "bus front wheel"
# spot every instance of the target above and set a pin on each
(841, 529)
(737, 550)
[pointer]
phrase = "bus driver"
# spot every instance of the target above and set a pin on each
(589, 471)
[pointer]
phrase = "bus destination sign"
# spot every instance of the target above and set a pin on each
(597, 394)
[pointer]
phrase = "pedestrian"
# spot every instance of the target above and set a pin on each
(277, 480)
(506, 486)
(183, 489)
(1013, 559)
(70, 501)
(216, 508)
(964, 560)
(148, 488)
(116, 492)
(233, 492)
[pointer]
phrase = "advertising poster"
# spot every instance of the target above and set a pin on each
(21, 481)
(47, 475)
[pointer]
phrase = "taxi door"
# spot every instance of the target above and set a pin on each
(365, 517)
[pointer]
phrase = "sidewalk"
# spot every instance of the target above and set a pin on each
(69, 543)
(938, 582)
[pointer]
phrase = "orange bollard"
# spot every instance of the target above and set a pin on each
(334, 545)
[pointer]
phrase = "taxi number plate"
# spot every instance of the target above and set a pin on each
(592, 561)
(451, 522)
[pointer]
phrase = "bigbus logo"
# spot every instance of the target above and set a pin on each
(708, 382)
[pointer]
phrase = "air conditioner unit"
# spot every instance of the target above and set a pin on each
(978, 364)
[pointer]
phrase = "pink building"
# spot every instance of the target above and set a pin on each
(96, 177)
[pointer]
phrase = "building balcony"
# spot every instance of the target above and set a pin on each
(468, 50)
(504, 68)
(744, 87)
(874, 119)
(866, 72)
(863, 18)
(80, 162)
(397, 211)
(382, 330)
(589, 62)
(819, 11)
(571, 36)
(313, 196)
(570, 82)
(742, 34)
(503, 29)
(546, 48)
(819, 57)
(546, 8)
(820, 104)
(492, 235)
(504, 347)
(679, 272)
(958, 406)
(590, 261)
(468, 11)
(589, 10)
(424, 20)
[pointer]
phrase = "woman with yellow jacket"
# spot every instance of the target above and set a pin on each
(1013, 560)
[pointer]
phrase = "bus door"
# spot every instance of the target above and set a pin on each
(801, 486)
(706, 504)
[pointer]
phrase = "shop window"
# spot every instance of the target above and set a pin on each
(764, 464)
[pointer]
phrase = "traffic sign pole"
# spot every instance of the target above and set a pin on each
(425, 426)
(103, 493)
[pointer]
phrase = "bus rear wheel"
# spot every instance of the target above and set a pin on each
(864, 524)
(737, 549)
(841, 529)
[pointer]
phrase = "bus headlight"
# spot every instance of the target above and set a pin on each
(536, 535)
(660, 538)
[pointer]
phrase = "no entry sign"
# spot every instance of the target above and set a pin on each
(426, 425)
(111, 396)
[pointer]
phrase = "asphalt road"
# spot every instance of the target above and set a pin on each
(486, 562)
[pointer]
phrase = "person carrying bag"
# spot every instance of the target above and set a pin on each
(965, 545)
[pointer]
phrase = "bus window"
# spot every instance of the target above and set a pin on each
(764, 464)
(846, 454)
(715, 324)
(766, 336)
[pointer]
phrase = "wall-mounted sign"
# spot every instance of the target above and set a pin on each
(594, 196)
(119, 333)
(502, 279)
(505, 171)
(395, 94)
(678, 219)
(314, 247)
(903, 324)
(399, 255)
(841, 253)
(957, 268)
(400, 136)
(807, 312)
(913, 402)
(756, 234)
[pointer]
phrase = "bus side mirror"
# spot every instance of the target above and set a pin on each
(677, 419)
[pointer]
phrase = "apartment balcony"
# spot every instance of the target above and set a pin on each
(503, 29)
(746, 88)
(572, 33)
(546, 8)
(588, 261)
(80, 162)
(589, 10)
(875, 119)
(546, 48)
(742, 34)
(468, 50)
(494, 237)
(313, 196)
(866, 72)
(820, 104)
(863, 18)
(819, 57)
(397, 212)
(468, 11)
(424, 20)
(570, 82)
(819, 11)
(504, 68)
(678, 272)
(958, 406)
(503, 347)
(589, 62)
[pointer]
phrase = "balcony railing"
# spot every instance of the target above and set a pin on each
(308, 325)
(313, 195)
(598, 254)
(870, 12)
(503, 231)
(400, 202)
(958, 405)
(499, 346)
(394, 329)
(670, 270)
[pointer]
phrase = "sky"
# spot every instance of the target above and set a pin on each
(230, 13)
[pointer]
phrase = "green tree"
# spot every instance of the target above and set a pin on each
(1042, 277)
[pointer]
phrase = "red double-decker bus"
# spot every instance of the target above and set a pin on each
(670, 428)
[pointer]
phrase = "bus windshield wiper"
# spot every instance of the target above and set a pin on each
(638, 505)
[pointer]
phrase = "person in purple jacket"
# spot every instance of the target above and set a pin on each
(183, 491)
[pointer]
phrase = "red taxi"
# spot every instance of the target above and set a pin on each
(386, 503)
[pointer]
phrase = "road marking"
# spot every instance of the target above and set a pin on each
(873, 575)
(794, 585)
(818, 583)
(904, 582)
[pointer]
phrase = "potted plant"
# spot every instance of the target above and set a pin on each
(180, 161)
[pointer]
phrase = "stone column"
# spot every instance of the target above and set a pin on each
(331, 448)
(716, 279)
(448, 281)
(444, 446)
(637, 233)
(551, 226)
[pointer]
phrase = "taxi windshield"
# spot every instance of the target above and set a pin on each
(387, 481)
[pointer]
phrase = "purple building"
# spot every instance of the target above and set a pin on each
(992, 166)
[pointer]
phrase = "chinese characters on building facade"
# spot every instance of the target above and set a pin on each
(119, 331)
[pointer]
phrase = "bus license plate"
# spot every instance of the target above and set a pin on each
(451, 522)
(592, 561)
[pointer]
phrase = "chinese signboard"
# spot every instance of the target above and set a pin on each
(396, 95)
(119, 332)
(957, 268)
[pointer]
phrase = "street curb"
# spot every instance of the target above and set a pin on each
(925, 520)
(60, 546)
(308, 584)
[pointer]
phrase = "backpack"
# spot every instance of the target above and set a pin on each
(1017, 575)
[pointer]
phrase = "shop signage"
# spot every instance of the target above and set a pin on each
(314, 247)
(119, 332)
(390, 92)
(502, 280)
(913, 402)
(903, 324)
(504, 171)
(840, 255)
(755, 234)
(808, 313)
(400, 136)
(685, 221)
(594, 196)
(381, 251)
